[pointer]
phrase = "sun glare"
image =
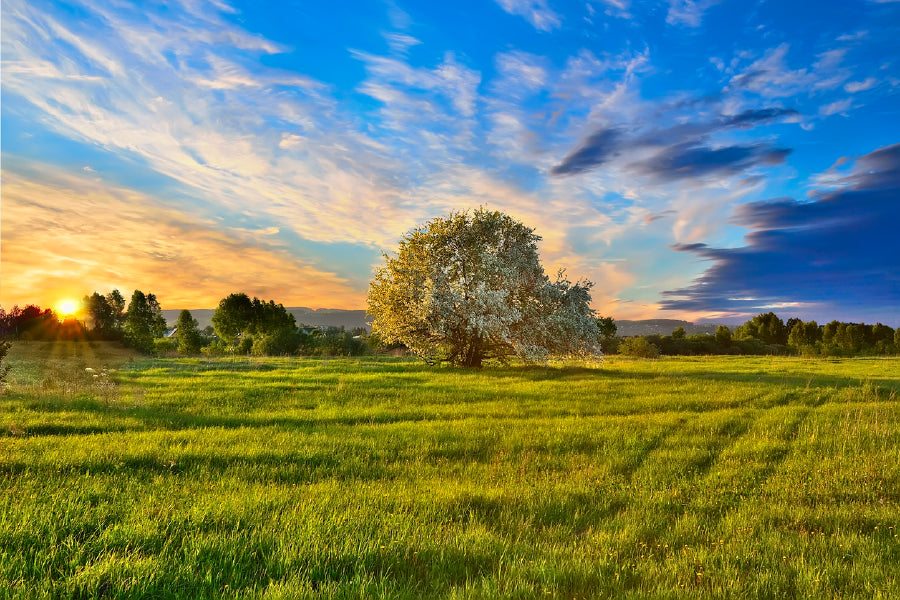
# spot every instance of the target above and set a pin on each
(66, 308)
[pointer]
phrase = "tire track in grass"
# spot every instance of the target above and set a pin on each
(692, 549)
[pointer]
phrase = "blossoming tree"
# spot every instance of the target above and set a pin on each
(470, 287)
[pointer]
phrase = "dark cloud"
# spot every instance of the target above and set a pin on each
(840, 252)
(688, 161)
(749, 118)
(684, 148)
(597, 149)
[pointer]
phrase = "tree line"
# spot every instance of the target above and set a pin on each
(250, 326)
(241, 326)
(765, 333)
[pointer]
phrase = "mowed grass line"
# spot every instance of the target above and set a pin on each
(727, 477)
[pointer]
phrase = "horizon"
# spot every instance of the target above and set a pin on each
(698, 161)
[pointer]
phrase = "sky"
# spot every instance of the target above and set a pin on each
(700, 160)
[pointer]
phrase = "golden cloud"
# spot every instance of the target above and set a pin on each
(67, 235)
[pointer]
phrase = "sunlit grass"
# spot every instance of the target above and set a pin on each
(282, 478)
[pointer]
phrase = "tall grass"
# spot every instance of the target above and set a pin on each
(727, 477)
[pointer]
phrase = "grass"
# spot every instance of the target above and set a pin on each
(725, 477)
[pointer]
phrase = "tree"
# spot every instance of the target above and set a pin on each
(723, 335)
(187, 334)
(804, 335)
(106, 314)
(4, 369)
(767, 327)
(608, 330)
(679, 333)
(233, 316)
(100, 314)
(262, 327)
(470, 287)
(116, 302)
(143, 321)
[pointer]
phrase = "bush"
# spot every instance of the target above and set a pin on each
(164, 346)
(4, 369)
(638, 347)
(278, 343)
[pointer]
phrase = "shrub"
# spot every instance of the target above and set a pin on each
(638, 347)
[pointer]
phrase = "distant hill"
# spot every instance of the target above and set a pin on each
(662, 327)
(322, 317)
(350, 319)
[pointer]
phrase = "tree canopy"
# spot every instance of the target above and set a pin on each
(263, 327)
(470, 287)
(187, 334)
(143, 321)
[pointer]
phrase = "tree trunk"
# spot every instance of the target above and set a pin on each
(474, 355)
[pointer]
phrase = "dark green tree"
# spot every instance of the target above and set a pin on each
(723, 335)
(233, 318)
(99, 314)
(143, 321)
(882, 334)
(804, 335)
(116, 302)
(766, 327)
(4, 369)
(246, 325)
(608, 337)
(187, 334)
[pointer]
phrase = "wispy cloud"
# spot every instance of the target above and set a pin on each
(536, 12)
(853, 87)
(688, 12)
(96, 236)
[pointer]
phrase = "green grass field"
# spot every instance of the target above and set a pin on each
(726, 477)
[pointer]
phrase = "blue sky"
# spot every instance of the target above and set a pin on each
(698, 160)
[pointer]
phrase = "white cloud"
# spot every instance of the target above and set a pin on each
(400, 42)
(838, 107)
(536, 12)
(688, 12)
(853, 87)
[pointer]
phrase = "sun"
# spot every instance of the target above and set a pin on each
(66, 308)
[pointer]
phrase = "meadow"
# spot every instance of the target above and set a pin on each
(683, 477)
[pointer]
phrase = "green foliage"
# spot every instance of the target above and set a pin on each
(804, 336)
(29, 323)
(105, 314)
(4, 368)
(143, 322)
(470, 287)
(607, 335)
(255, 325)
(638, 347)
(164, 345)
(767, 328)
(280, 342)
(187, 334)
(723, 335)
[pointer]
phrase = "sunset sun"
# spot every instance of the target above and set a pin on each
(66, 308)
